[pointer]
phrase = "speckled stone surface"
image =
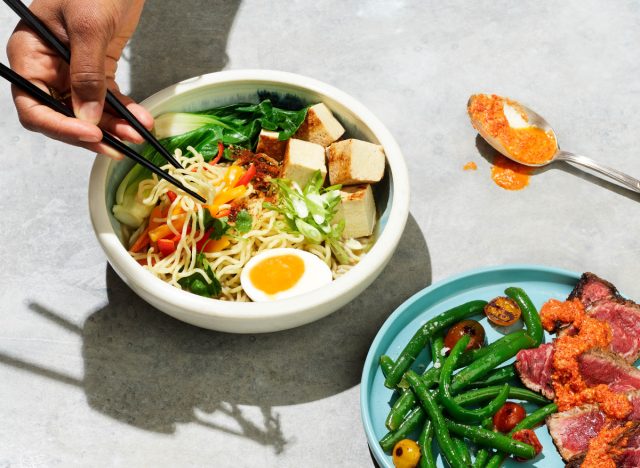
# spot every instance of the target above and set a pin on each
(93, 376)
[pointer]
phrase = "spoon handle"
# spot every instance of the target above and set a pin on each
(626, 180)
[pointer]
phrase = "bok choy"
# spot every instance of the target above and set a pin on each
(235, 125)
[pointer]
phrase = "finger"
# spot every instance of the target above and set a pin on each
(37, 117)
(140, 113)
(120, 128)
(89, 35)
(102, 148)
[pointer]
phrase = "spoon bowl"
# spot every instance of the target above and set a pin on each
(520, 116)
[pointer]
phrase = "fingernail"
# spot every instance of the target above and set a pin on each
(90, 112)
(113, 154)
(90, 138)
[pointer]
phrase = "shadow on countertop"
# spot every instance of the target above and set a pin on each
(151, 371)
(489, 153)
(178, 40)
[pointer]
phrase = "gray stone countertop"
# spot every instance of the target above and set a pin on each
(93, 376)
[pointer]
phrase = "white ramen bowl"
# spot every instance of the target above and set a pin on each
(228, 87)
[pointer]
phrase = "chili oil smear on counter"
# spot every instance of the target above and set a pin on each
(525, 143)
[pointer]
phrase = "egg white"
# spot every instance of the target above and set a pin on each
(316, 274)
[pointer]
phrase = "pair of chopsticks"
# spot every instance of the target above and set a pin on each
(34, 23)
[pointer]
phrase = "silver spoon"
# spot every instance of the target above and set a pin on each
(536, 120)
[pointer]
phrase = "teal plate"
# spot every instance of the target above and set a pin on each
(540, 282)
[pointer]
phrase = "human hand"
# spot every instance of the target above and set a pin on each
(96, 33)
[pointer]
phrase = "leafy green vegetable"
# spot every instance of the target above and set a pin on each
(244, 222)
(237, 124)
(310, 211)
(198, 284)
(220, 225)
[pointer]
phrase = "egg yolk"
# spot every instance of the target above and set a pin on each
(276, 274)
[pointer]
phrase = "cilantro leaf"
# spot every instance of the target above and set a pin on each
(220, 225)
(244, 222)
(195, 282)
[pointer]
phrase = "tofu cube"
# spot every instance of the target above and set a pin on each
(355, 162)
(301, 160)
(269, 144)
(320, 126)
(358, 209)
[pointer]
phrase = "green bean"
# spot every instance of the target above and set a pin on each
(535, 418)
(420, 338)
(444, 393)
(386, 364)
(530, 315)
(475, 354)
(482, 455)
(482, 394)
(437, 345)
(433, 411)
(492, 439)
(529, 422)
(429, 378)
(479, 368)
(413, 420)
(424, 441)
(401, 407)
(432, 375)
(463, 451)
(498, 376)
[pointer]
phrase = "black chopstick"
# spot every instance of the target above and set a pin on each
(107, 138)
(45, 33)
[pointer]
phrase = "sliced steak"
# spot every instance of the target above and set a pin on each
(572, 430)
(535, 366)
(602, 367)
(624, 319)
(630, 457)
(628, 454)
(591, 288)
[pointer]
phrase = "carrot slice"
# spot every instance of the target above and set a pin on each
(141, 242)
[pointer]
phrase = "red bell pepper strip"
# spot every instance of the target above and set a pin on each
(166, 246)
(215, 160)
(248, 176)
(172, 195)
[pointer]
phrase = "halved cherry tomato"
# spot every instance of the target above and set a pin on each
(503, 311)
(528, 437)
(508, 416)
(465, 327)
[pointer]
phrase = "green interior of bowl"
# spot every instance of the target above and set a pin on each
(281, 95)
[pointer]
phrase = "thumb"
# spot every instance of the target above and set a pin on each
(88, 40)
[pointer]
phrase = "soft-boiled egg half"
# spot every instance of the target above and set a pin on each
(282, 273)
